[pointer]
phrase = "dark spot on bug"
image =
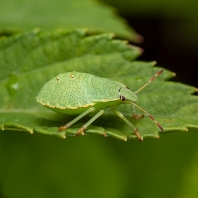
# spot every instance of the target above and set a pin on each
(123, 98)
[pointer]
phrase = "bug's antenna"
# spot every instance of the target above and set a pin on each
(151, 80)
(150, 116)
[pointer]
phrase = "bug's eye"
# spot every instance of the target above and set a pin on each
(122, 98)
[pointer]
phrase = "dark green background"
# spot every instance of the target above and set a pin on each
(39, 166)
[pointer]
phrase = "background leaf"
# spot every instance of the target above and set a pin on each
(172, 24)
(29, 60)
(49, 15)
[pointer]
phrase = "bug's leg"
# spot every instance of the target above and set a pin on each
(119, 114)
(81, 130)
(134, 113)
(76, 119)
(150, 116)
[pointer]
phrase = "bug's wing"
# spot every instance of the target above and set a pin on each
(65, 91)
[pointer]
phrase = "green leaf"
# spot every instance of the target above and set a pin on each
(29, 60)
(50, 15)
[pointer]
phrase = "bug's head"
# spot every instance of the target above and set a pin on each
(126, 95)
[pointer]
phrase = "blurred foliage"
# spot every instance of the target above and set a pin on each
(94, 166)
(20, 15)
(179, 17)
(169, 8)
(190, 183)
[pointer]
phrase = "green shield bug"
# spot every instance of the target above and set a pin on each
(82, 93)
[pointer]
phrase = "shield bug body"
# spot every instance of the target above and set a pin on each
(82, 93)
